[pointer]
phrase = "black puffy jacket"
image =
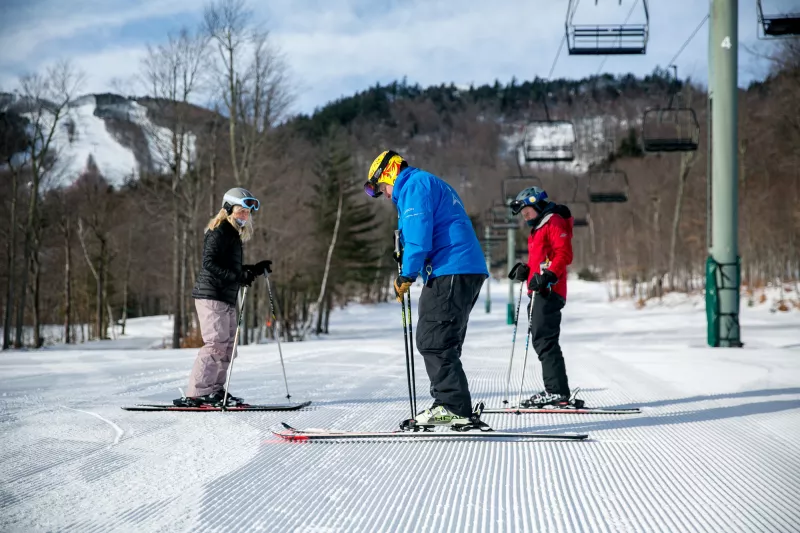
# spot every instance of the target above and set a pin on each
(221, 273)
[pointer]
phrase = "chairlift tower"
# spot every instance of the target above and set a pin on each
(723, 267)
(497, 218)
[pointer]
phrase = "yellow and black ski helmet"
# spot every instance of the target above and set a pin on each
(384, 169)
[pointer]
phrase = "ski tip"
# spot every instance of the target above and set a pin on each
(291, 437)
(287, 426)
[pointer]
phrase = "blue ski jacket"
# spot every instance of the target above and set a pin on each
(435, 231)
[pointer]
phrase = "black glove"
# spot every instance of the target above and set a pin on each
(541, 282)
(246, 277)
(520, 272)
(401, 286)
(262, 267)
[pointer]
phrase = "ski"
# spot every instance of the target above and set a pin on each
(562, 410)
(213, 409)
(297, 435)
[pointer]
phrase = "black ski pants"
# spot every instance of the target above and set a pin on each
(545, 330)
(444, 308)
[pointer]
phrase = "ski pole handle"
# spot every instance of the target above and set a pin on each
(398, 251)
(397, 242)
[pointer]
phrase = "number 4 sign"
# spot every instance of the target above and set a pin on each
(726, 42)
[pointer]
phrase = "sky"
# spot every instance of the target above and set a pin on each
(335, 48)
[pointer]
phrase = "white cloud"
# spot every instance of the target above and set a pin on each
(99, 70)
(338, 47)
(39, 23)
(481, 41)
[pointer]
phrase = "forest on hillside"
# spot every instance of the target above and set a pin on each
(89, 254)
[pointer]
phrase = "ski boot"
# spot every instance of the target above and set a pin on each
(545, 400)
(197, 401)
(473, 423)
(438, 415)
(232, 401)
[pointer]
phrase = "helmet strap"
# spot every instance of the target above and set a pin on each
(382, 166)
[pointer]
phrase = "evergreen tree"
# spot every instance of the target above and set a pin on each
(356, 252)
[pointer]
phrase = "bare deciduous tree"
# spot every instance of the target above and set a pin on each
(252, 82)
(172, 74)
(48, 96)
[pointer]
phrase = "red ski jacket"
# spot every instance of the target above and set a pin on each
(550, 248)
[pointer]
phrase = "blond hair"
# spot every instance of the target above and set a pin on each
(245, 233)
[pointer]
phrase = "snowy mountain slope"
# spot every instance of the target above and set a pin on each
(111, 132)
(714, 449)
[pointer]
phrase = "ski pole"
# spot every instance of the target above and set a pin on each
(406, 327)
(525, 359)
(411, 349)
(277, 333)
(408, 364)
(513, 344)
(233, 352)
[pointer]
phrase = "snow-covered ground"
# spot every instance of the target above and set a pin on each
(715, 448)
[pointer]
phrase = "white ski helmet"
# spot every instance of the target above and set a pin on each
(242, 197)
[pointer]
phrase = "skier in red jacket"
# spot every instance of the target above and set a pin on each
(549, 254)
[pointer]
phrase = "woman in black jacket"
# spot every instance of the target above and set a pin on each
(215, 293)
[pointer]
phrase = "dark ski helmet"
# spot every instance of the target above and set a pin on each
(531, 197)
(241, 197)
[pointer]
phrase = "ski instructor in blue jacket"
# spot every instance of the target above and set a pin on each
(439, 244)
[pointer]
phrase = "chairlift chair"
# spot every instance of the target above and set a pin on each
(608, 186)
(579, 209)
(670, 129)
(606, 39)
(778, 25)
(493, 236)
(549, 141)
(499, 215)
(580, 214)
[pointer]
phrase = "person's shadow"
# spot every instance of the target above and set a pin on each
(683, 417)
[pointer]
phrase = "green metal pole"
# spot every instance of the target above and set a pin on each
(724, 261)
(488, 256)
(512, 250)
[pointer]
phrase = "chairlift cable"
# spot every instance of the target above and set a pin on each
(605, 58)
(686, 43)
(553, 67)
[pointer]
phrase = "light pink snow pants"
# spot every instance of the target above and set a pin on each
(218, 327)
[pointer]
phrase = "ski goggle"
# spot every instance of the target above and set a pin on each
(371, 187)
(517, 206)
(531, 201)
(248, 202)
